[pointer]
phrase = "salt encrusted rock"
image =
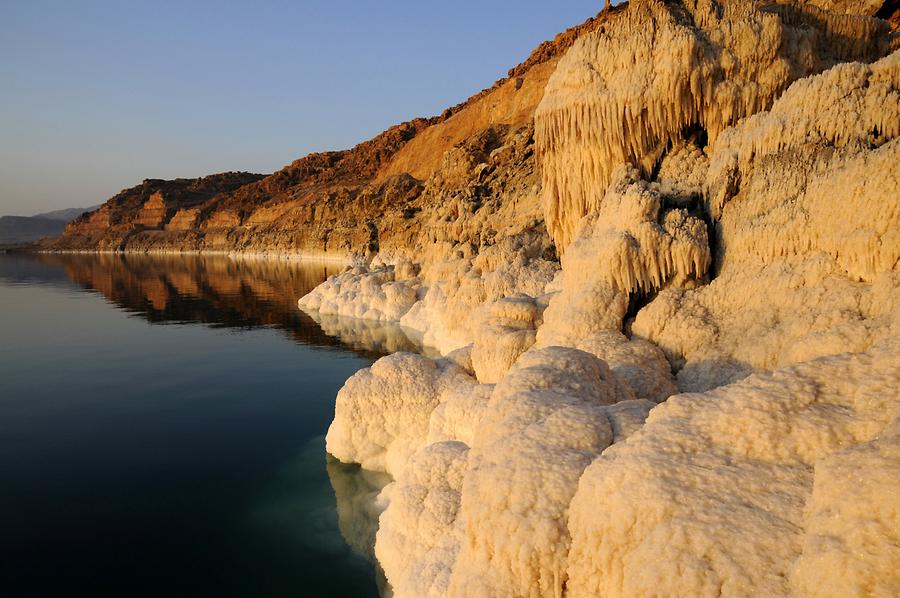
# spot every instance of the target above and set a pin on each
(382, 412)
(461, 289)
(851, 544)
(769, 486)
(629, 245)
(419, 534)
(545, 422)
(712, 489)
(625, 92)
(807, 198)
(360, 292)
(507, 332)
(460, 412)
(639, 363)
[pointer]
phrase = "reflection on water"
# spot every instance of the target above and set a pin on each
(356, 491)
(138, 458)
(215, 290)
(371, 335)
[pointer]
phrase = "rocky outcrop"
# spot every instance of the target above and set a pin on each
(148, 206)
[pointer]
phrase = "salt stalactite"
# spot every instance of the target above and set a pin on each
(629, 245)
(807, 199)
(545, 422)
(626, 92)
(750, 490)
(851, 108)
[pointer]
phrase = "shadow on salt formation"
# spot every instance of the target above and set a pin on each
(359, 505)
(372, 335)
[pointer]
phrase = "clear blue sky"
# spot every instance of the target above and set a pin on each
(96, 96)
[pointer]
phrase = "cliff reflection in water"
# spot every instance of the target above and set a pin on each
(220, 291)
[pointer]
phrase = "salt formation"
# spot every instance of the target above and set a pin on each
(459, 414)
(630, 245)
(808, 209)
(624, 93)
(852, 521)
(545, 422)
(531, 436)
(382, 293)
(728, 226)
(382, 413)
(456, 306)
(640, 364)
(508, 332)
(419, 535)
(712, 489)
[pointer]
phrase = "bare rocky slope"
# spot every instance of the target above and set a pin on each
(340, 203)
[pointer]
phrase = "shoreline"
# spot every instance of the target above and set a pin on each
(242, 255)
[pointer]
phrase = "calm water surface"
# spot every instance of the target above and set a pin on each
(161, 431)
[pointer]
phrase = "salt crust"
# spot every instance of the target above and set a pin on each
(523, 467)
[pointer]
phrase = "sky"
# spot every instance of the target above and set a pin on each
(96, 96)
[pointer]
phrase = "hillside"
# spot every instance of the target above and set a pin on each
(325, 203)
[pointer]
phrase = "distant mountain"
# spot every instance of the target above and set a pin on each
(67, 214)
(25, 229)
